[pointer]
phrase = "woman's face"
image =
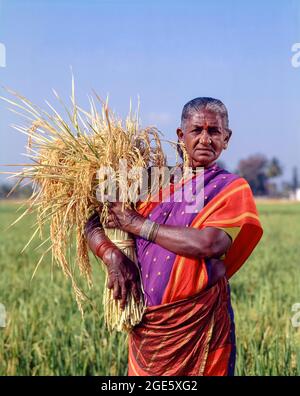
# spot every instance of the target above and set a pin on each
(204, 136)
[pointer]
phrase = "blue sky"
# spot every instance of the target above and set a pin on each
(167, 52)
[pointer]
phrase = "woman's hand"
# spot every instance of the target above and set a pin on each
(123, 276)
(127, 220)
(218, 271)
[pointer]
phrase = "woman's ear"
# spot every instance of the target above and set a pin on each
(180, 140)
(227, 138)
(179, 132)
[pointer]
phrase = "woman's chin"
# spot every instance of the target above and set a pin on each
(203, 161)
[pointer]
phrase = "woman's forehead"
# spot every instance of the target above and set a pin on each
(207, 117)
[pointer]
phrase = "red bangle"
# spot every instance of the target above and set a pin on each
(103, 247)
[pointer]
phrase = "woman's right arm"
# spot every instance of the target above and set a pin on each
(123, 274)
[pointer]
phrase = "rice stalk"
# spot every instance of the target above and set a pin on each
(65, 156)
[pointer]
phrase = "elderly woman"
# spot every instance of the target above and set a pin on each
(186, 257)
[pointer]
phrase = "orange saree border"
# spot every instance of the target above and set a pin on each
(217, 361)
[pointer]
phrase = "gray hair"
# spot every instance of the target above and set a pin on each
(204, 103)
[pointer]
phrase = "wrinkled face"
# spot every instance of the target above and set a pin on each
(205, 137)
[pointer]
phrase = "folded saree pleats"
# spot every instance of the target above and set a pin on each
(177, 338)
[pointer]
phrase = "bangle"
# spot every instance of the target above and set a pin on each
(149, 230)
(146, 229)
(103, 247)
(154, 232)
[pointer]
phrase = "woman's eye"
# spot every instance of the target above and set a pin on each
(215, 132)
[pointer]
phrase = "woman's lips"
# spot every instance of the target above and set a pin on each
(204, 151)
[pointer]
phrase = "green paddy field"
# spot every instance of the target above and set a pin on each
(45, 334)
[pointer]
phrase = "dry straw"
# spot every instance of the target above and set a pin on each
(65, 152)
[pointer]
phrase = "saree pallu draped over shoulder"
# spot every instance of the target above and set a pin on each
(188, 326)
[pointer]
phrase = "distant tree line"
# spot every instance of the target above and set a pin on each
(21, 192)
(260, 172)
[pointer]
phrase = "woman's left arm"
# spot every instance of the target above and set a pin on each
(190, 242)
(184, 241)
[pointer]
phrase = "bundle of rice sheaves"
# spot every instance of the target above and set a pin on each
(65, 152)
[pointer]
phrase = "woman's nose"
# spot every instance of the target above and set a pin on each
(204, 138)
